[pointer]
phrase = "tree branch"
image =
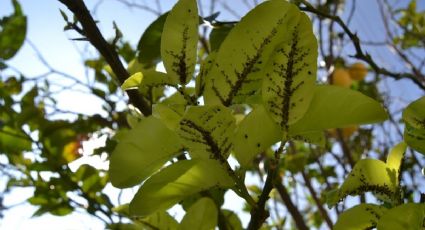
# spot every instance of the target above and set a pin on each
(92, 33)
(293, 210)
(360, 54)
(319, 204)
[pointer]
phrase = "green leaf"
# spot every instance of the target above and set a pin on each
(373, 175)
(291, 74)
(236, 73)
(414, 131)
(337, 107)
(414, 114)
(218, 34)
(153, 78)
(232, 220)
(207, 131)
(180, 180)
(159, 220)
(406, 216)
(13, 141)
(170, 115)
(367, 175)
(141, 151)
(415, 138)
(312, 137)
(13, 29)
(179, 40)
(206, 66)
(256, 133)
(362, 216)
(149, 45)
(395, 157)
(133, 81)
(201, 215)
(122, 226)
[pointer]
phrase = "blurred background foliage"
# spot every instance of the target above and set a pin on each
(39, 140)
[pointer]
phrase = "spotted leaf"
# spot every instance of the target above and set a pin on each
(291, 73)
(255, 134)
(370, 175)
(236, 72)
(207, 131)
(179, 40)
(362, 216)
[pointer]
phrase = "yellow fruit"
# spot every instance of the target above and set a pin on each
(70, 151)
(357, 71)
(346, 132)
(341, 77)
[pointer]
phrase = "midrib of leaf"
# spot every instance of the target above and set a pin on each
(207, 139)
(180, 67)
(288, 74)
(248, 67)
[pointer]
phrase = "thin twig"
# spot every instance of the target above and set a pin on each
(92, 33)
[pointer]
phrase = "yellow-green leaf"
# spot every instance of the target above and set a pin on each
(367, 175)
(288, 87)
(362, 216)
(256, 133)
(133, 82)
(179, 40)
(207, 131)
(406, 216)
(236, 73)
(202, 215)
(337, 107)
(176, 182)
(141, 151)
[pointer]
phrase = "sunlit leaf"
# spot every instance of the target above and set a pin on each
(207, 131)
(170, 115)
(133, 81)
(406, 216)
(337, 107)
(206, 66)
(362, 216)
(291, 73)
(179, 40)
(256, 133)
(367, 175)
(395, 158)
(201, 215)
(312, 137)
(176, 182)
(158, 220)
(242, 55)
(141, 151)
